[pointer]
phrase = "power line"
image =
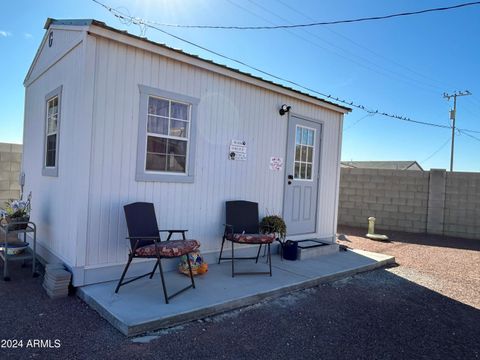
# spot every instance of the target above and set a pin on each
(320, 23)
(436, 151)
(378, 54)
(470, 135)
(356, 122)
(141, 22)
(470, 131)
(361, 61)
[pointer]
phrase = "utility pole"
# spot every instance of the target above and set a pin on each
(453, 115)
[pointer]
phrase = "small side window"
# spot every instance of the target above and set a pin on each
(52, 132)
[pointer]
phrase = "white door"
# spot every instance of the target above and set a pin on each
(302, 174)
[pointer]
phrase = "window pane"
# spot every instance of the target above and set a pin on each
(297, 171)
(51, 150)
(179, 111)
(52, 124)
(310, 137)
(157, 145)
(51, 142)
(304, 153)
(297, 152)
(177, 147)
(158, 106)
(302, 171)
(309, 171)
(304, 136)
(50, 159)
(309, 154)
(179, 128)
(176, 163)
(298, 137)
(53, 106)
(157, 125)
(156, 162)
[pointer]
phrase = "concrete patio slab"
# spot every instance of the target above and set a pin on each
(139, 306)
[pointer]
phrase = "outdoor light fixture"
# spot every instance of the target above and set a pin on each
(284, 109)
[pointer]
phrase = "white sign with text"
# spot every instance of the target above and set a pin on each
(238, 150)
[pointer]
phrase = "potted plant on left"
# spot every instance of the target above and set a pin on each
(16, 214)
(276, 225)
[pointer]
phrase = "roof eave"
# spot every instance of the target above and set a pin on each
(70, 22)
(92, 23)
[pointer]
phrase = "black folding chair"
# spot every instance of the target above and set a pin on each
(242, 227)
(145, 242)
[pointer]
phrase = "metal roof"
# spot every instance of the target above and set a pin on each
(386, 165)
(89, 22)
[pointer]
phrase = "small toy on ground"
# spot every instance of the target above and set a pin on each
(199, 266)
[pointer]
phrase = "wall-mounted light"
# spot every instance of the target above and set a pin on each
(284, 109)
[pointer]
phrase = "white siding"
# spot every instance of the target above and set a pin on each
(55, 205)
(229, 109)
(63, 41)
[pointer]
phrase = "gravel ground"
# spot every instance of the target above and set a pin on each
(375, 315)
(448, 265)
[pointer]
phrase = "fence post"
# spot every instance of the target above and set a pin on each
(436, 201)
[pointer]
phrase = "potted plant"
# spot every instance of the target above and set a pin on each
(275, 224)
(16, 214)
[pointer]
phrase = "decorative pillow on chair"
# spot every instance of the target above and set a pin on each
(171, 248)
(252, 238)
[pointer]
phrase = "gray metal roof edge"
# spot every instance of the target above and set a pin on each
(88, 22)
(70, 22)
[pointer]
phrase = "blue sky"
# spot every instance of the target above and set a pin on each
(400, 66)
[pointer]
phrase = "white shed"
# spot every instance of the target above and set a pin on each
(112, 118)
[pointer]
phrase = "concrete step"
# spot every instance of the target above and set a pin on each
(304, 252)
(139, 306)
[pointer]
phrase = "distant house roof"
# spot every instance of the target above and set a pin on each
(386, 165)
(89, 22)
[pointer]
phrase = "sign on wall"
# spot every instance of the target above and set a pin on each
(238, 150)
(276, 163)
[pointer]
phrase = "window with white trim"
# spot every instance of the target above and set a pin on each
(166, 136)
(52, 132)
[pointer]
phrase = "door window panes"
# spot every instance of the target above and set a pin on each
(304, 153)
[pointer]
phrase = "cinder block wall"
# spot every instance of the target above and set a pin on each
(398, 199)
(462, 205)
(435, 201)
(10, 159)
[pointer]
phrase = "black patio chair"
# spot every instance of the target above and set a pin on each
(242, 227)
(145, 242)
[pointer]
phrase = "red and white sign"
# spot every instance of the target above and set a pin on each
(276, 163)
